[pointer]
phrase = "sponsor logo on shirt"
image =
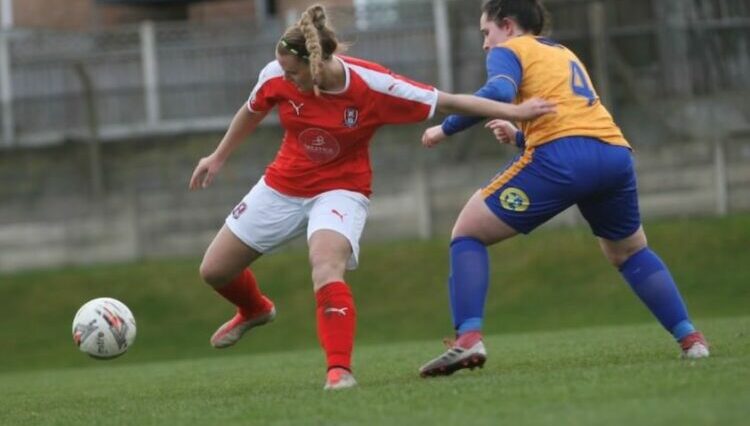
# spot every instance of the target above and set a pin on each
(319, 145)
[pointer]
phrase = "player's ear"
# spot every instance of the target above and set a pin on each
(507, 25)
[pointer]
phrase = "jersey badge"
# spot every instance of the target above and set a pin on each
(350, 117)
(514, 199)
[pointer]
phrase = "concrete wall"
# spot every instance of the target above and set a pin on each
(49, 215)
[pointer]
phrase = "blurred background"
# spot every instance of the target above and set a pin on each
(107, 105)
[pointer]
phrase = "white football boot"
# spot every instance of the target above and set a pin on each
(694, 346)
(231, 331)
(454, 359)
(339, 378)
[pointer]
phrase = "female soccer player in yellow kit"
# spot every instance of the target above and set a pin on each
(577, 156)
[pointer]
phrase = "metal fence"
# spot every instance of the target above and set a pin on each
(165, 77)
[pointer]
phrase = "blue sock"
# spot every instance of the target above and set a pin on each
(650, 279)
(467, 283)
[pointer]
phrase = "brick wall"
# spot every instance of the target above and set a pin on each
(221, 10)
(70, 14)
(88, 14)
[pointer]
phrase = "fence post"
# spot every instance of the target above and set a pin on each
(673, 44)
(443, 45)
(720, 178)
(150, 72)
(598, 25)
(92, 120)
(6, 90)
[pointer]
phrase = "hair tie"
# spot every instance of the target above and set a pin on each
(294, 51)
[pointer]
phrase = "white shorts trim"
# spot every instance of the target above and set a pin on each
(266, 219)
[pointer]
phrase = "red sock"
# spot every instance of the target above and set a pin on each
(244, 293)
(336, 323)
(469, 339)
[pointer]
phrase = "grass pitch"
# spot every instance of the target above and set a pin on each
(621, 375)
(548, 367)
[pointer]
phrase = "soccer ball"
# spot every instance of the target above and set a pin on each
(104, 328)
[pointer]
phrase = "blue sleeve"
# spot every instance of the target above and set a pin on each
(503, 78)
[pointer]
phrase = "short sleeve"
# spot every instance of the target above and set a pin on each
(397, 99)
(264, 96)
(407, 101)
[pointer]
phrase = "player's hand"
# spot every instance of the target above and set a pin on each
(433, 136)
(205, 171)
(504, 131)
(533, 108)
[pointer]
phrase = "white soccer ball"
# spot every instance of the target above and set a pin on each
(104, 328)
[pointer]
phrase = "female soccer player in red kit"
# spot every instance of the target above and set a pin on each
(330, 106)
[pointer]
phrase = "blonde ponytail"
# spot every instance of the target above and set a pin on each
(312, 23)
(311, 40)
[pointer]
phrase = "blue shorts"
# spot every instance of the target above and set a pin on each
(545, 180)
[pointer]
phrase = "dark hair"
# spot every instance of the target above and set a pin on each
(530, 14)
(311, 39)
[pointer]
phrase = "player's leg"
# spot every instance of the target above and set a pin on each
(520, 198)
(652, 282)
(250, 230)
(336, 222)
(476, 228)
(224, 267)
(614, 217)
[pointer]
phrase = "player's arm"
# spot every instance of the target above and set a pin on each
(243, 124)
(469, 104)
(504, 74)
(474, 105)
(505, 132)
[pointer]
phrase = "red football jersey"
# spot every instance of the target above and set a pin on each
(326, 138)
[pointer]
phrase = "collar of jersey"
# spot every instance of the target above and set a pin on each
(346, 79)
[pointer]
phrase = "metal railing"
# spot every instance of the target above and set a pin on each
(160, 78)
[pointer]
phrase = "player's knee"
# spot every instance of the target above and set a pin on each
(617, 257)
(213, 275)
(325, 270)
(328, 271)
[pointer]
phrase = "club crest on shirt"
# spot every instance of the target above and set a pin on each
(514, 199)
(350, 117)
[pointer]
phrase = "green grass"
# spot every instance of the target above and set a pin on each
(554, 279)
(590, 376)
(548, 366)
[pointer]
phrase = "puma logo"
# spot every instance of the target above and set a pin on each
(340, 215)
(296, 107)
(340, 311)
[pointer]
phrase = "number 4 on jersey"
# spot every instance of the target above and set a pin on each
(579, 82)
